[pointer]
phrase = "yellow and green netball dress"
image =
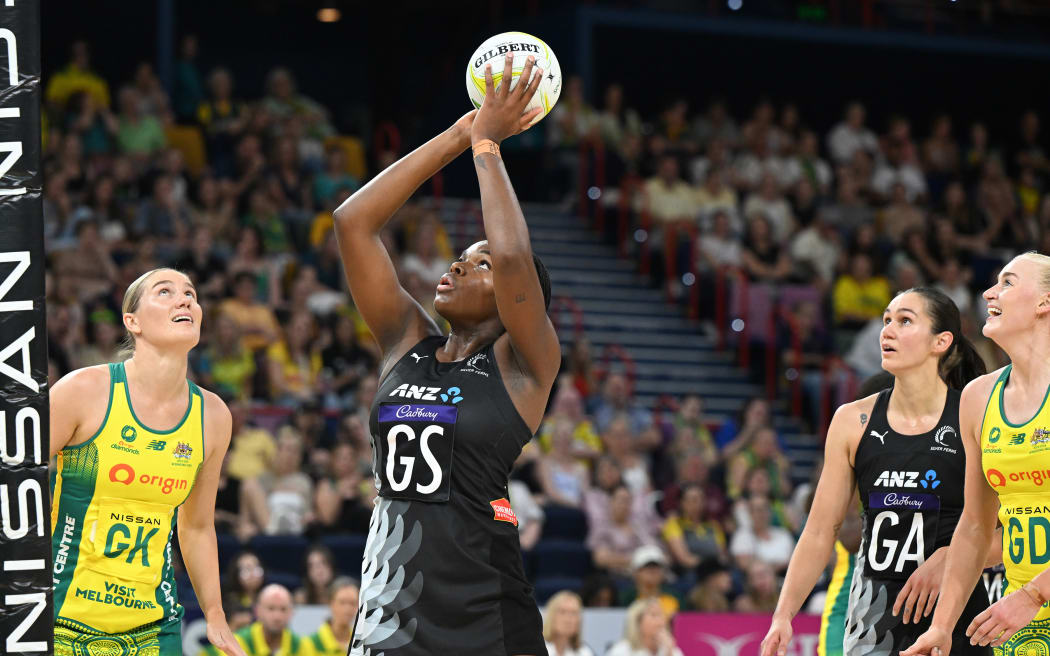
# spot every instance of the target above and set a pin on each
(1016, 463)
(326, 644)
(116, 498)
(833, 620)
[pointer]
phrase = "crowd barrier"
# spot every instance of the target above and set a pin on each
(698, 634)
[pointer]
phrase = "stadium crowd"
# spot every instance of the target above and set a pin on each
(620, 505)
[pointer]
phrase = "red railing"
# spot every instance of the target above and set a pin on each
(388, 135)
(795, 357)
(721, 304)
(694, 290)
(743, 355)
(437, 188)
(771, 355)
(561, 303)
(647, 228)
(629, 186)
(595, 147)
(829, 382)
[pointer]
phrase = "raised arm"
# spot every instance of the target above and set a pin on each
(390, 312)
(973, 534)
(836, 491)
(519, 297)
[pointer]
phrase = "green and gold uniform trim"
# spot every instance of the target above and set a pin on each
(836, 604)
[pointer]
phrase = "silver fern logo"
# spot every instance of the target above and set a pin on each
(384, 591)
(475, 362)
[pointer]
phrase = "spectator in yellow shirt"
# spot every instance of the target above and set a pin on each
(692, 538)
(255, 320)
(859, 295)
(77, 76)
(295, 361)
(671, 199)
(252, 449)
(333, 638)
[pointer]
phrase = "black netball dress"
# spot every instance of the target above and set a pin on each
(912, 490)
(442, 571)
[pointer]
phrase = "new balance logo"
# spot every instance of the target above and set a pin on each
(418, 357)
(881, 437)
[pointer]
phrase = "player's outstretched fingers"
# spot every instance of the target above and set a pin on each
(526, 76)
(508, 75)
(920, 605)
(931, 603)
(489, 87)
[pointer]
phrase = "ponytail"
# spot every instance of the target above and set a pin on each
(961, 363)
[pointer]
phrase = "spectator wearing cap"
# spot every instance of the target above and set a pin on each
(647, 632)
(563, 624)
(649, 571)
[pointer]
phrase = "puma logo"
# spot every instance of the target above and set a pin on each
(418, 357)
(881, 440)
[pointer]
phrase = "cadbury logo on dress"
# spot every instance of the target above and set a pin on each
(441, 414)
